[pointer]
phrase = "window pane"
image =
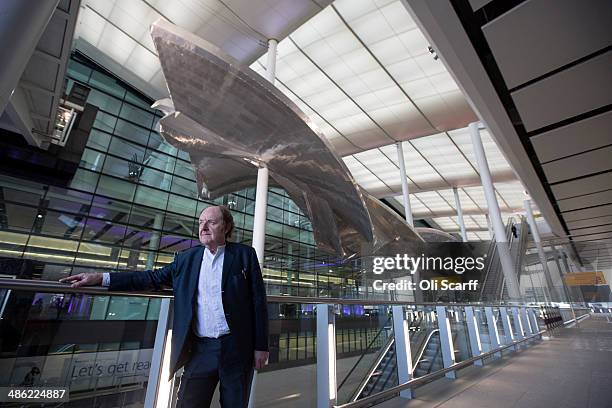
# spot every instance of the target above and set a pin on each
(107, 84)
(137, 115)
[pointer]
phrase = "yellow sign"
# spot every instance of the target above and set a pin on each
(585, 278)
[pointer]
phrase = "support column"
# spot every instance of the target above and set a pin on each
(402, 349)
(507, 263)
(446, 341)
(473, 334)
(489, 227)
(261, 198)
(460, 215)
(263, 175)
(326, 357)
(271, 61)
(536, 238)
(404, 178)
(22, 23)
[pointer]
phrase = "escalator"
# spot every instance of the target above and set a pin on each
(494, 288)
(518, 249)
(429, 358)
(382, 374)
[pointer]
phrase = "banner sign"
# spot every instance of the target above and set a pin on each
(585, 278)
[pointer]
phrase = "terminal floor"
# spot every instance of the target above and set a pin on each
(572, 369)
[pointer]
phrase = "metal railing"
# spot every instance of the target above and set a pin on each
(525, 323)
(45, 286)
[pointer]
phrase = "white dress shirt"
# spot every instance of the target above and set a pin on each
(210, 317)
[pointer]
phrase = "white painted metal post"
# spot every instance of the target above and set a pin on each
(491, 235)
(473, 334)
(493, 332)
(404, 178)
(326, 356)
(446, 341)
(507, 263)
(263, 175)
(153, 398)
(508, 334)
(533, 227)
(271, 61)
(526, 321)
(460, 215)
(531, 314)
(520, 331)
(402, 349)
(261, 198)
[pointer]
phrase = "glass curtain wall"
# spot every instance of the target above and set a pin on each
(132, 204)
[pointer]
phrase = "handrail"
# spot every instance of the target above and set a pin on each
(390, 392)
(377, 362)
(364, 352)
(495, 263)
(57, 287)
(423, 348)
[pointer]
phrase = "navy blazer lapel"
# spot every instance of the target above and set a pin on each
(228, 259)
(194, 273)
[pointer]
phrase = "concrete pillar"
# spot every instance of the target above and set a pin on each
(460, 215)
(536, 238)
(404, 178)
(22, 23)
(507, 263)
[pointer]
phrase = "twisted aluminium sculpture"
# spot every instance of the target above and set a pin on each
(230, 120)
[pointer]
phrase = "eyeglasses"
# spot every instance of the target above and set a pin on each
(204, 223)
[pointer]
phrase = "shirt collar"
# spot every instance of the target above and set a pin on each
(220, 250)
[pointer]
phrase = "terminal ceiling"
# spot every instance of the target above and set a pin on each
(361, 70)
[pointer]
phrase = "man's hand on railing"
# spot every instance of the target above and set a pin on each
(261, 359)
(83, 279)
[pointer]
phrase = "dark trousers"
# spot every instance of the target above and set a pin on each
(215, 361)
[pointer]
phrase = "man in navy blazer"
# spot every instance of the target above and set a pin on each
(220, 325)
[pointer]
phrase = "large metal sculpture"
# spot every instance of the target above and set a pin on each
(230, 120)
